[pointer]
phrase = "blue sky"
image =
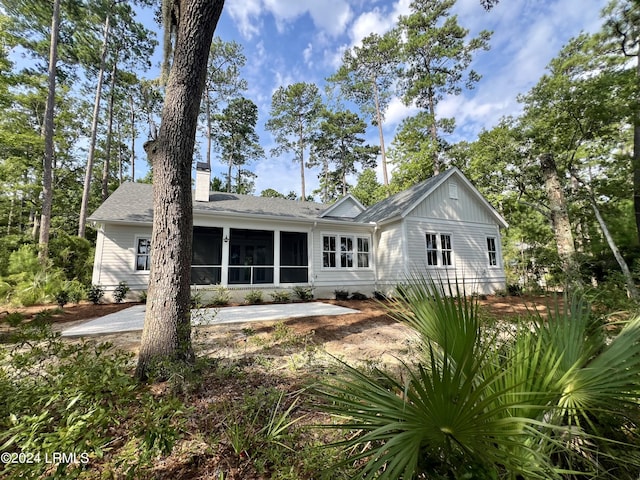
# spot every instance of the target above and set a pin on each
(288, 41)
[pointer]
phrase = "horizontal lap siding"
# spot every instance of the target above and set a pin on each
(470, 258)
(469, 223)
(115, 257)
(327, 280)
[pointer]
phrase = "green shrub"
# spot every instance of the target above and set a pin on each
(62, 298)
(142, 296)
(528, 409)
(253, 297)
(221, 296)
(303, 293)
(73, 255)
(341, 294)
(95, 294)
(67, 397)
(14, 319)
(358, 296)
(281, 296)
(77, 291)
(120, 292)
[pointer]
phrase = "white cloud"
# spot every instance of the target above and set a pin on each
(246, 14)
(306, 54)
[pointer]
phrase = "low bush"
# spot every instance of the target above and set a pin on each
(281, 296)
(62, 298)
(95, 294)
(120, 292)
(303, 293)
(79, 399)
(341, 294)
(221, 296)
(253, 297)
(358, 296)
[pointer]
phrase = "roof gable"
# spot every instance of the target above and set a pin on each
(400, 205)
(347, 207)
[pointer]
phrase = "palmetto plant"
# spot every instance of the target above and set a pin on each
(482, 405)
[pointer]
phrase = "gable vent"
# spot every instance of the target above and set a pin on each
(453, 190)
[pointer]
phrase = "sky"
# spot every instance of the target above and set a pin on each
(289, 41)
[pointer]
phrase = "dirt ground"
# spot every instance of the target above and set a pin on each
(369, 335)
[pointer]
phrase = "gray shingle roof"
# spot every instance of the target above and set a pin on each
(397, 204)
(133, 202)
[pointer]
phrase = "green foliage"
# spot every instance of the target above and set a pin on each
(62, 298)
(358, 296)
(479, 405)
(253, 297)
(76, 398)
(120, 292)
(341, 294)
(281, 296)
(221, 296)
(14, 319)
(303, 293)
(95, 294)
(72, 254)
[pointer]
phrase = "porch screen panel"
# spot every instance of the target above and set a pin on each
(294, 260)
(250, 256)
(206, 256)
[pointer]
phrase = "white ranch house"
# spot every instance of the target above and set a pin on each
(442, 227)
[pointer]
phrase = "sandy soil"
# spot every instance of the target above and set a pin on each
(368, 335)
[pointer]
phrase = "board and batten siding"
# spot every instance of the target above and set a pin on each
(326, 280)
(466, 207)
(115, 257)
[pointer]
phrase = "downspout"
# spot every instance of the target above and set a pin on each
(375, 257)
(311, 256)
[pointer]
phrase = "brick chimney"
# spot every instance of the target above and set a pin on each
(203, 179)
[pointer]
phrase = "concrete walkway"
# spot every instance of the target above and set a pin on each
(132, 318)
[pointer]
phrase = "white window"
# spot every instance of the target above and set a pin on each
(432, 249)
(445, 248)
(363, 252)
(439, 249)
(492, 250)
(328, 251)
(345, 251)
(143, 254)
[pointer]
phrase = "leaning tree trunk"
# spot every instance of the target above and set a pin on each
(167, 330)
(94, 133)
(560, 219)
(48, 132)
(107, 154)
(632, 291)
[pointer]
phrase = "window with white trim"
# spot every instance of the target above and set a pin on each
(143, 254)
(445, 249)
(492, 251)
(363, 252)
(439, 249)
(345, 251)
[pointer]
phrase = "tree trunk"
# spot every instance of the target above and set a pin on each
(434, 133)
(301, 147)
(636, 152)
(560, 219)
(383, 156)
(209, 130)
(48, 131)
(133, 139)
(632, 291)
(107, 153)
(167, 330)
(94, 133)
